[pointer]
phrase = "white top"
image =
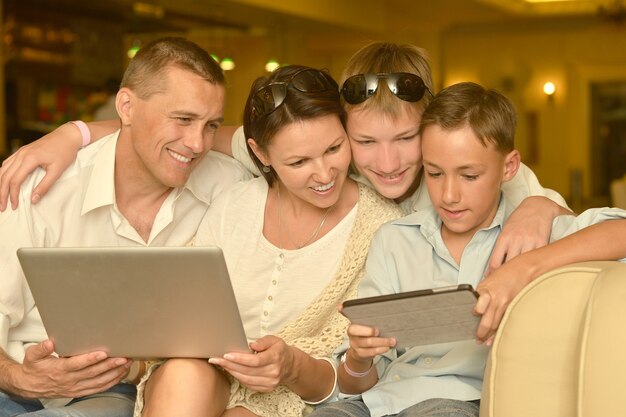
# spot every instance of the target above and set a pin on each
(80, 210)
(272, 285)
(522, 185)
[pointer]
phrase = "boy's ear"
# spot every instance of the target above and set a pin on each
(123, 104)
(258, 152)
(511, 164)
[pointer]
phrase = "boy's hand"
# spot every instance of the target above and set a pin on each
(53, 152)
(527, 228)
(365, 342)
(496, 292)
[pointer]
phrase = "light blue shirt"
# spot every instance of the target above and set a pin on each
(408, 254)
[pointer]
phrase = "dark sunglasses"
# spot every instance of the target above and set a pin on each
(268, 98)
(405, 86)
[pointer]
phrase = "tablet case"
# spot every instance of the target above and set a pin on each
(419, 318)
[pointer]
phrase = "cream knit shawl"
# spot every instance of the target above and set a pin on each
(320, 328)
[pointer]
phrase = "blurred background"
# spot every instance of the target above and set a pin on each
(563, 63)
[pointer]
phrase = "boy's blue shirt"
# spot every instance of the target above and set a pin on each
(408, 254)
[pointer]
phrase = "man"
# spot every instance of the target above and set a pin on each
(149, 184)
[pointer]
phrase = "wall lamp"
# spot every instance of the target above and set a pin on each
(549, 89)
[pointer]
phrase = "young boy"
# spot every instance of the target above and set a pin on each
(467, 137)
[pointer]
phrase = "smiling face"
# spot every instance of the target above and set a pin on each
(464, 177)
(386, 150)
(311, 159)
(165, 136)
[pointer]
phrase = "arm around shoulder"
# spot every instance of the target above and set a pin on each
(54, 152)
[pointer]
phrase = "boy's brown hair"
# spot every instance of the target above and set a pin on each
(489, 114)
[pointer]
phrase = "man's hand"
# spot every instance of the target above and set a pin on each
(43, 375)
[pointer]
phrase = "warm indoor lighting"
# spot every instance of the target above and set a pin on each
(546, 1)
(549, 88)
(133, 49)
(227, 64)
(271, 65)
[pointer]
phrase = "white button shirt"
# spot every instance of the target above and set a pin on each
(80, 210)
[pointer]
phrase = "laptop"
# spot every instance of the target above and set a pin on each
(135, 302)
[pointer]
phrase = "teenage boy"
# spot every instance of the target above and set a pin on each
(467, 144)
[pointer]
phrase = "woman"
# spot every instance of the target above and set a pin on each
(295, 242)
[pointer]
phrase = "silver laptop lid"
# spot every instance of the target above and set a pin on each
(137, 302)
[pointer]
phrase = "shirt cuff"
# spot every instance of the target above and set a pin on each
(333, 392)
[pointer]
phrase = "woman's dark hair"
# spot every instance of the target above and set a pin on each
(306, 96)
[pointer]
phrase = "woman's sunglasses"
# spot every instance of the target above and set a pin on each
(405, 86)
(268, 98)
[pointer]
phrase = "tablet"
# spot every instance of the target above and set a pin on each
(136, 302)
(417, 318)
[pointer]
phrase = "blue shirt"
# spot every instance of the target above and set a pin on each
(408, 254)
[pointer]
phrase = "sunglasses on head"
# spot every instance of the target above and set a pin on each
(405, 86)
(269, 97)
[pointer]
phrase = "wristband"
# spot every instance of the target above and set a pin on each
(350, 371)
(84, 132)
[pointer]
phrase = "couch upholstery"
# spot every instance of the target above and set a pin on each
(560, 350)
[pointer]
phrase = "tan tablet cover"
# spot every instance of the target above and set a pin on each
(419, 317)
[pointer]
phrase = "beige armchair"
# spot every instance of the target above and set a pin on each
(560, 350)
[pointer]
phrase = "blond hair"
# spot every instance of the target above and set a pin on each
(385, 57)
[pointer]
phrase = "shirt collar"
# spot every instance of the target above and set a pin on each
(101, 189)
(429, 221)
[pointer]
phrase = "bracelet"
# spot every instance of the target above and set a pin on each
(136, 372)
(350, 371)
(84, 132)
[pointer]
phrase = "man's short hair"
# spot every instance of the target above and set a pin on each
(145, 74)
(489, 114)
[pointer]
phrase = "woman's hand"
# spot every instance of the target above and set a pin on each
(263, 371)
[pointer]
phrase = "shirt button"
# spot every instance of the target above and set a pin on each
(270, 298)
(428, 361)
(279, 267)
(281, 255)
(273, 282)
(265, 313)
(396, 377)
